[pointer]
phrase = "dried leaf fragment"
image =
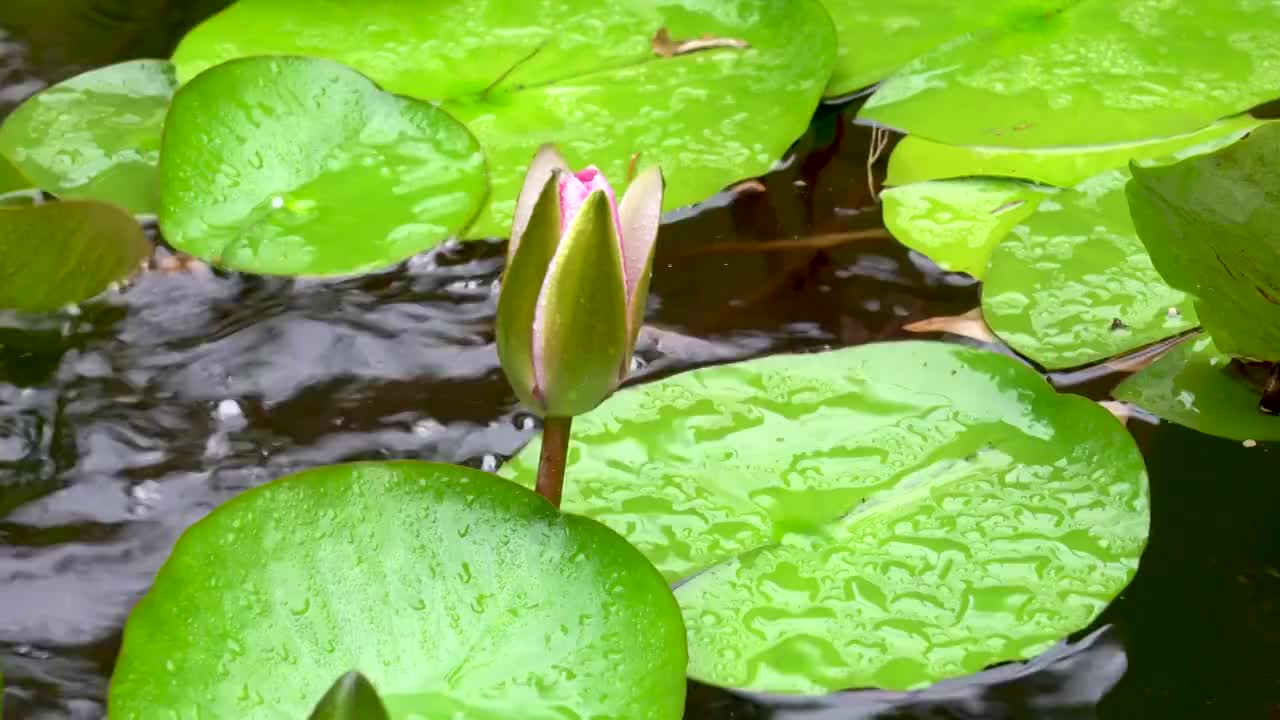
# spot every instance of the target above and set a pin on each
(970, 325)
(1122, 411)
(665, 46)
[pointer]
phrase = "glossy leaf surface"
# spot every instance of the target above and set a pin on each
(582, 74)
(917, 159)
(95, 136)
(886, 515)
(1100, 71)
(1195, 385)
(1073, 284)
(958, 223)
(65, 252)
(877, 38)
(447, 587)
(301, 166)
(1212, 226)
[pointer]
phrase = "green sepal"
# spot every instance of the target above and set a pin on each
(352, 697)
(521, 285)
(581, 322)
(640, 213)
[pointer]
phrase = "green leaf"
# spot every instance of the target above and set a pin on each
(917, 159)
(579, 73)
(1100, 71)
(887, 515)
(65, 252)
(352, 697)
(11, 178)
(522, 282)
(1196, 386)
(301, 166)
(1212, 226)
(877, 38)
(446, 586)
(958, 223)
(95, 136)
(1073, 285)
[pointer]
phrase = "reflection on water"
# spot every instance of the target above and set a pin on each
(121, 425)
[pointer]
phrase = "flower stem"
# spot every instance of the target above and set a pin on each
(555, 449)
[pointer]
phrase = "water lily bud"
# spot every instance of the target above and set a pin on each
(577, 278)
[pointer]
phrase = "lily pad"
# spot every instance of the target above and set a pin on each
(887, 515)
(1073, 284)
(877, 38)
(581, 73)
(958, 223)
(1099, 71)
(302, 166)
(917, 159)
(1212, 226)
(1195, 385)
(445, 586)
(95, 136)
(65, 252)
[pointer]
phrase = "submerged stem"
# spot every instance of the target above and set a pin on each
(555, 450)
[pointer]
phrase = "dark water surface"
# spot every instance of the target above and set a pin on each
(126, 422)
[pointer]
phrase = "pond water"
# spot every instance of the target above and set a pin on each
(122, 424)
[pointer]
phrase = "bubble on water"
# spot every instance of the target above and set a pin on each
(427, 427)
(229, 412)
(143, 497)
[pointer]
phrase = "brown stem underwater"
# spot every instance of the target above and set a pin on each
(555, 450)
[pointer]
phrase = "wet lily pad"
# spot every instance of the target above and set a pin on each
(958, 223)
(1099, 71)
(1212, 226)
(95, 136)
(446, 587)
(877, 38)
(1073, 284)
(582, 74)
(302, 166)
(65, 252)
(1196, 386)
(917, 159)
(887, 515)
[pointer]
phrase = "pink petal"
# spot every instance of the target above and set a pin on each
(574, 190)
